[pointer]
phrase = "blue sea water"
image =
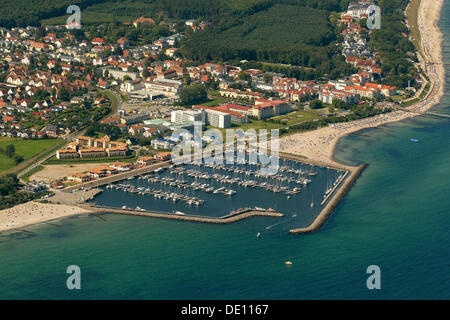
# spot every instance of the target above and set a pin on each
(396, 216)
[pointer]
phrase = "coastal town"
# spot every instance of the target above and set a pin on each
(107, 105)
(224, 159)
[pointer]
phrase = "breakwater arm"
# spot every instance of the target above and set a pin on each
(333, 203)
(220, 220)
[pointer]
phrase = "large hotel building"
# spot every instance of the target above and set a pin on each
(87, 147)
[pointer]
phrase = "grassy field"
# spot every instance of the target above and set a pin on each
(214, 103)
(26, 148)
(413, 16)
(297, 117)
(398, 98)
(253, 124)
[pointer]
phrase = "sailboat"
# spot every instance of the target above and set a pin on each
(312, 203)
(288, 262)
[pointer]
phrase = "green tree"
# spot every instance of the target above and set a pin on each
(64, 94)
(331, 109)
(10, 150)
(193, 94)
(316, 104)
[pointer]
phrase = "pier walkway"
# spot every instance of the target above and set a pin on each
(436, 114)
(426, 113)
(244, 214)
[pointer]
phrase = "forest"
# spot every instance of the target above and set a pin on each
(282, 33)
(32, 12)
(10, 194)
(397, 53)
(297, 33)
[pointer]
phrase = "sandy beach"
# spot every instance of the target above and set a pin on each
(318, 145)
(33, 213)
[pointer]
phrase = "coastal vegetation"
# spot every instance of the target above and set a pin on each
(10, 193)
(302, 44)
(295, 117)
(413, 22)
(303, 38)
(24, 12)
(357, 112)
(397, 53)
(304, 73)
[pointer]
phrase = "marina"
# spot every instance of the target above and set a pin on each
(298, 190)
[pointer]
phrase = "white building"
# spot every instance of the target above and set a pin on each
(167, 87)
(218, 119)
(183, 116)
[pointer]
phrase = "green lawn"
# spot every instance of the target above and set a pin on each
(258, 124)
(253, 124)
(215, 102)
(26, 148)
(398, 98)
(413, 14)
(297, 117)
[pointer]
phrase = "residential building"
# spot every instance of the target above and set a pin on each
(163, 156)
(184, 116)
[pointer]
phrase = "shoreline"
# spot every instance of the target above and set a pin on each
(316, 146)
(431, 37)
(319, 145)
(33, 213)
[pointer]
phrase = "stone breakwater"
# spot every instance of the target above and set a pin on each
(351, 175)
(182, 217)
(333, 203)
